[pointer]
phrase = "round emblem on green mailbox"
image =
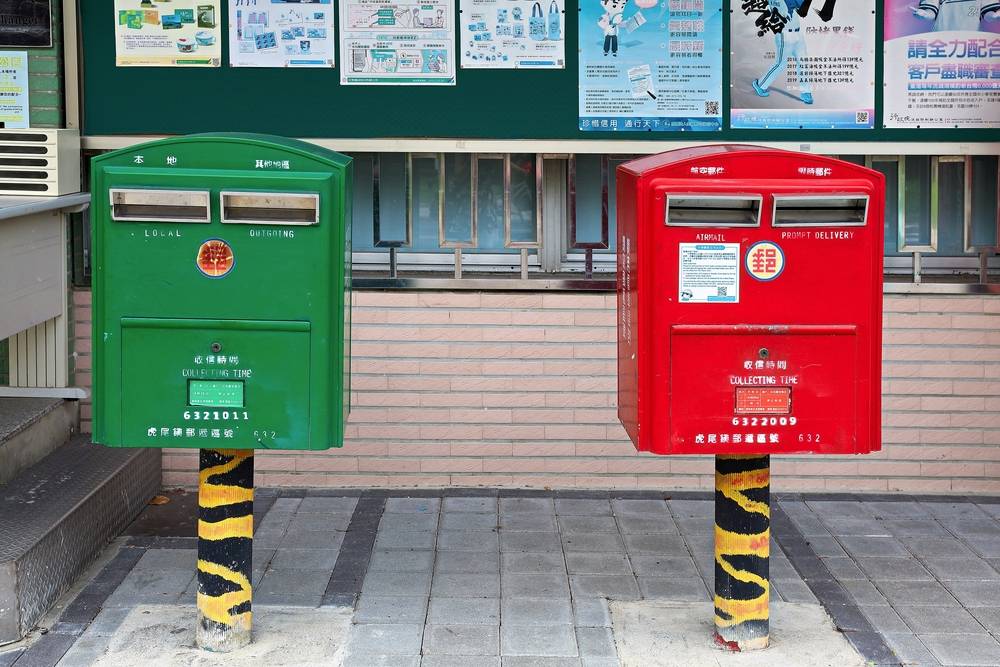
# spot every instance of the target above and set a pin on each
(215, 258)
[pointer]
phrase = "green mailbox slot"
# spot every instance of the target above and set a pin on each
(221, 294)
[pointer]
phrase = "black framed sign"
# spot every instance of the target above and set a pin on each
(25, 23)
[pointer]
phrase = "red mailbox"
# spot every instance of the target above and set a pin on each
(749, 302)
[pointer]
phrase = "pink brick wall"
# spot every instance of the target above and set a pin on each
(493, 389)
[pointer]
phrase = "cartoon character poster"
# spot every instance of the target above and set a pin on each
(650, 65)
(803, 64)
(942, 63)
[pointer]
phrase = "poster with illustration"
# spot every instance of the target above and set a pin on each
(650, 65)
(397, 43)
(942, 63)
(513, 34)
(803, 64)
(179, 33)
(281, 33)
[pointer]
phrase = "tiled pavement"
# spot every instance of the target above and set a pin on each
(521, 578)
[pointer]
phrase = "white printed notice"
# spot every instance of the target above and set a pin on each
(396, 42)
(281, 33)
(709, 273)
(513, 34)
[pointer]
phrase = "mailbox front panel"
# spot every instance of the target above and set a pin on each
(766, 390)
(221, 268)
(189, 382)
(749, 287)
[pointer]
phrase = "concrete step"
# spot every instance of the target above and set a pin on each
(56, 516)
(31, 429)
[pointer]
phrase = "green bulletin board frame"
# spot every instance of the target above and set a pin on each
(311, 103)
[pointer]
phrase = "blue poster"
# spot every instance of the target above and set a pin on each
(650, 65)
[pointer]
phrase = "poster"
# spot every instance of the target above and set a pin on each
(650, 65)
(942, 63)
(281, 33)
(397, 42)
(26, 23)
(179, 33)
(513, 34)
(13, 89)
(803, 64)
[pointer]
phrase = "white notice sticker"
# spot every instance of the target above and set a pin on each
(709, 273)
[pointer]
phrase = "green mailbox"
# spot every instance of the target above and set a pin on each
(221, 281)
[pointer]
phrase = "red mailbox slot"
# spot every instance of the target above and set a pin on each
(749, 302)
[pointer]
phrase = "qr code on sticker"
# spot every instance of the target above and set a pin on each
(861, 118)
(722, 290)
(711, 107)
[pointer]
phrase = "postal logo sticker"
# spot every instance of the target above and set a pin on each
(765, 261)
(215, 258)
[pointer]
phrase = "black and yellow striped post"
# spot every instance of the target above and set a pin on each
(742, 549)
(225, 543)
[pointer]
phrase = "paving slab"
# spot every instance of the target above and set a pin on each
(537, 611)
(332, 505)
(398, 560)
(467, 640)
(582, 507)
(388, 639)
(535, 586)
(391, 609)
(464, 611)
(531, 505)
(528, 521)
(469, 521)
(163, 635)
(466, 585)
(410, 521)
(467, 540)
(692, 589)
(646, 523)
(467, 562)
(541, 641)
(531, 563)
(676, 634)
(530, 541)
(471, 504)
(600, 563)
(641, 506)
(596, 642)
(922, 619)
(414, 505)
(967, 650)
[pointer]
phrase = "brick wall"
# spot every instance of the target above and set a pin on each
(45, 83)
(496, 389)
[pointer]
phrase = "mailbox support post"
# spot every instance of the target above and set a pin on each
(742, 550)
(225, 541)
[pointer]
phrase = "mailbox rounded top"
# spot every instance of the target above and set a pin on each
(218, 150)
(742, 161)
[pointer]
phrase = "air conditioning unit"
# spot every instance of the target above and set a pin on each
(39, 162)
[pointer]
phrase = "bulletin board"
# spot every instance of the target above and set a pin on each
(310, 103)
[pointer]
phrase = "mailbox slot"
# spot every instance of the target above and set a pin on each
(846, 210)
(270, 208)
(136, 205)
(701, 210)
